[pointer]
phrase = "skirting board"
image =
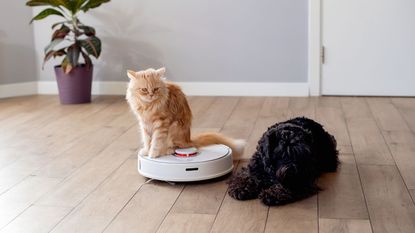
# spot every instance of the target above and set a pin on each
(190, 88)
(18, 89)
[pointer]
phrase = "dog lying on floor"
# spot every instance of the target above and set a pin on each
(289, 158)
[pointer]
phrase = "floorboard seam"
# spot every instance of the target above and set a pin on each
(86, 196)
(357, 167)
(221, 203)
(388, 146)
(171, 207)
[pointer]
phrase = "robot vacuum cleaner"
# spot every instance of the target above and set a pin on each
(188, 164)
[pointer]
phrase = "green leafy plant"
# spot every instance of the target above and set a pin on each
(80, 37)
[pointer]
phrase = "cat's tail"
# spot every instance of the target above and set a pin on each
(205, 139)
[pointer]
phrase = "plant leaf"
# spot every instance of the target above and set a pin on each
(89, 31)
(45, 13)
(48, 56)
(68, 4)
(53, 54)
(53, 44)
(43, 3)
(59, 53)
(78, 4)
(66, 65)
(59, 23)
(73, 54)
(92, 45)
(87, 60)
(92, 4)
(72, 5)
(61, 32)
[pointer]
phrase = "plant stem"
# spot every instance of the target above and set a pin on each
(75, 27)
(76, 32)
(64, 12)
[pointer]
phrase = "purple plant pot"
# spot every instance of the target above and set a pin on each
(75, 87)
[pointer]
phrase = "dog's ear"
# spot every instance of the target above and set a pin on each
(267, 143)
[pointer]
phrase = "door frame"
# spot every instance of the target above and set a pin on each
(314, 47)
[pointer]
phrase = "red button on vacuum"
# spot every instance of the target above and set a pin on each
(186, 152)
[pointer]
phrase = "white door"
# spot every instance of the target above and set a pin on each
(369, 47)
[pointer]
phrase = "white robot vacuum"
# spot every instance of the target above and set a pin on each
(188, 164)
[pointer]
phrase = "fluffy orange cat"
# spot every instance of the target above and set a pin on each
(164, 116)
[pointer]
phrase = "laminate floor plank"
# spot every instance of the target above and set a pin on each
(73, 168)
(368, 143)
(242, 120)
(87, 178)
(297, 217)
(342, 195)
(406, 107)
(344, 226)
(389, 204)
(31, 153)
(329, 113)
(187, 223)
(20, 197)
(204, 197)
(147, 209)
(102, 205)
(216, 114)
(240, 216)
(398, 136)
(37, 219)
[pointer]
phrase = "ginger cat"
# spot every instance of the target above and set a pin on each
(165, 117)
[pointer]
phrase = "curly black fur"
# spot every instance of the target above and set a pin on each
(289, 158)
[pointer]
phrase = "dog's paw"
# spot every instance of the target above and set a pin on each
(268, 198)
(143, 152)
(242, 189)
(275, 195)
(242, 193)
(242, 186)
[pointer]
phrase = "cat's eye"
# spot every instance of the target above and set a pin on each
(156, 89)
(144, 90)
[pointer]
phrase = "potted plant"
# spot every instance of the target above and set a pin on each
(71, 39)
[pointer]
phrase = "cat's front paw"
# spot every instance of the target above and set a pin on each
(153, 154)
(143, 152)
(170, 151)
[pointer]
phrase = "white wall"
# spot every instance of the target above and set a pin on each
(17, 56)
(198, 41)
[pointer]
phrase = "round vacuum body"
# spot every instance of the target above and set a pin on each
(209, 162)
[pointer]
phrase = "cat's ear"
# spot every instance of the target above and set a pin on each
(131, 74)
(161, 71)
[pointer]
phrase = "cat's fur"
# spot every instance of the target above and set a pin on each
(165, 117)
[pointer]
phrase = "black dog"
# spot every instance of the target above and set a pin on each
(289, 158)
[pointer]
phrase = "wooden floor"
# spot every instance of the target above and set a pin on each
(73, 168)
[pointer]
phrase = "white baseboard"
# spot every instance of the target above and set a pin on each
(98, 88)
(18, 89)
(190, 88)
(244, 89)
(47, 87)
